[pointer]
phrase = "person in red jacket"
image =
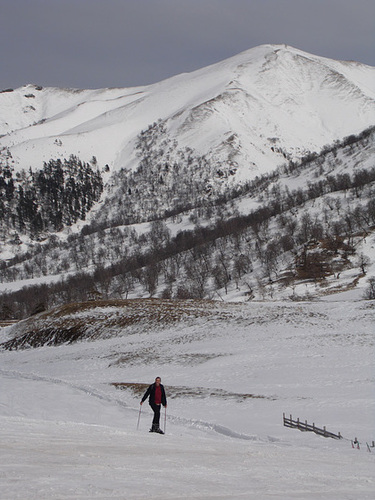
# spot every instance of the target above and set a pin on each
(156, 398)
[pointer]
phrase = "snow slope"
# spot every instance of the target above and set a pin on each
(67, 432)
(271, 96)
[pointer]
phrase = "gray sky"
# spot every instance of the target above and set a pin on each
(122, 43)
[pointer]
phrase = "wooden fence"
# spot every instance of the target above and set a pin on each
(304, 426)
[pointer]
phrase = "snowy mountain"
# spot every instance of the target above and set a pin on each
(238, 181)
(250, 110)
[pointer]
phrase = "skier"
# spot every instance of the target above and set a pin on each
(156, 398)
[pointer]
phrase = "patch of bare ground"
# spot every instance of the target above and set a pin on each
(150, 355)
(342, 287)
(173, 392)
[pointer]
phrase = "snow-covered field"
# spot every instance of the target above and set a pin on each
(68, 433)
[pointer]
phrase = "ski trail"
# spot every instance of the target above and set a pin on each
(198, 425)
(207, 426)
(86, 390)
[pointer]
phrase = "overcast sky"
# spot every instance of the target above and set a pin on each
(122, 43)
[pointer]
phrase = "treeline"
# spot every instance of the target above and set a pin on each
(282, 199)
(57, 195)
(201, 262)
(94, 247)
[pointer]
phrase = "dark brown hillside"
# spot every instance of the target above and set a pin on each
(105, 318)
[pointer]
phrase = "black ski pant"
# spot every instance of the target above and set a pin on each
(156, 410)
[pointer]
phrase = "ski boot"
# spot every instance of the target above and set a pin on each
(156, 428)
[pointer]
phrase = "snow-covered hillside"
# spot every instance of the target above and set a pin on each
(248, 179)
(230, 371)
(251, 111)
(304, 232)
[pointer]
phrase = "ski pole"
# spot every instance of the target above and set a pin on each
(165, 418)
(139, 416)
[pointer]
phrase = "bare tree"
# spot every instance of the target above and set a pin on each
(363, 262)
(370, 291)
(150, 279)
